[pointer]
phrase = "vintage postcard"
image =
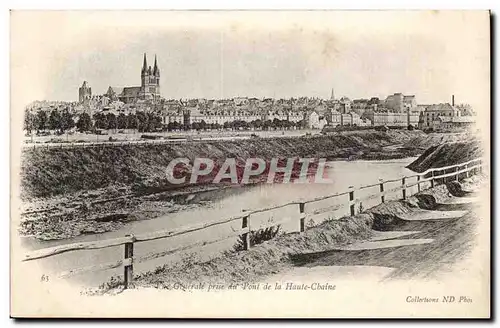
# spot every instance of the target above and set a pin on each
(250, 164)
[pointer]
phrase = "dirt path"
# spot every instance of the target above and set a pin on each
(432, 249)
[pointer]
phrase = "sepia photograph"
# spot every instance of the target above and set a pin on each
(250, 164)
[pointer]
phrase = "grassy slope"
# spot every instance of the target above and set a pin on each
(49, 172)
(447, 154)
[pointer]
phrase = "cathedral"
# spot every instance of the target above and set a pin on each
(149, 89)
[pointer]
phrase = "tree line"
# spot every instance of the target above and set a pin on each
(257, 124)
(62, 121)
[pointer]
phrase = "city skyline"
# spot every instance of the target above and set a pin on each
(359, 56)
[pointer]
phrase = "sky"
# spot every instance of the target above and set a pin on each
(203, 54)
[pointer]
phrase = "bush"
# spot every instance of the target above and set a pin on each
(382, 128)
(150, 137)
(257, 237)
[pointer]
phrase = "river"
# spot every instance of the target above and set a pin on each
(224, 204)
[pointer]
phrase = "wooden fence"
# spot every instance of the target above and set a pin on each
(433, 176)
(101, 144)
(121, 143)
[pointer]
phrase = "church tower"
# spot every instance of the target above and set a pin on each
(144, 73)
(150, 81)
(84, 93)
(156, 75)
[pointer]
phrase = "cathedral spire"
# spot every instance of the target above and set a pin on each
(145, 64)
(156, 70)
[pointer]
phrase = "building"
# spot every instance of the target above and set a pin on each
(410, 103)
(388, 117)
(400, 103)
(148, 91)
(189, 115)
(449, 123)
(394, 102)
(359, 105)
(335, 118)
(84, 93)
(332, 96)
(312, 120)
(432, 112)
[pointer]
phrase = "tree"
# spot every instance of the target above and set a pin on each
(257, 124)
(154, 122)
(122, 121)
(203, 125)
(66, 120)
(142, 121)
(176, 125)
(41, 120)
(300, 124)
(84, 122)
(132, 121)
(277, 123)
(111, 120)
(266, 125)
(237, 124)
(29, 121)
(465, 109)
(100, 121)
(55, 120)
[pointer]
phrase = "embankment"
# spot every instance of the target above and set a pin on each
(426, 140)
(51, 172)
(447, 154)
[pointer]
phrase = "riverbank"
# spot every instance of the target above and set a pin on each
(69, 192)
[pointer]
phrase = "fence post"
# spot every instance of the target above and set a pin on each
(352, 206)
(432, 179)
(128, 270)
(480, 166)
(246, 236)
(418, 183)
(403, 183)
(467, 170)
(302, 217)
(457, 174)
(382, 197)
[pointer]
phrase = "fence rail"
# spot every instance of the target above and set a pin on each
(146, 141)
(432, 175)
